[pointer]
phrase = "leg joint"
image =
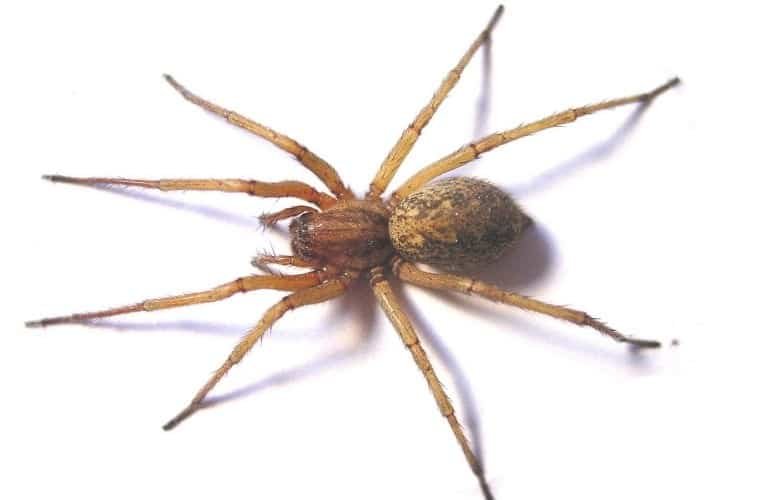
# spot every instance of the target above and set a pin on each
(395, 264)
(288, 303)
(416, 129)
(376, 276)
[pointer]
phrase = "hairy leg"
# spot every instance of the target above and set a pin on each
(282, 260)
(320, 293)
(403, 146)
(245, 284)
(405, 329)
(314, 163)
(283, 189)
(273, 218)
(411, 274)
(470, 152)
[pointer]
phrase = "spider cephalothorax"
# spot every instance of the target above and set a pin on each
(352, 234)
(451, 224)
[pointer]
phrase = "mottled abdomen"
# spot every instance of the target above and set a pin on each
(456, 223)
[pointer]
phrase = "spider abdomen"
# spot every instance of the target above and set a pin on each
(456, 223)
(352, 234)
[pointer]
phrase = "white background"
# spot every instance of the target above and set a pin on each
(655, 227)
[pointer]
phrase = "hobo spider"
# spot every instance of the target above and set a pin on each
(451, 224)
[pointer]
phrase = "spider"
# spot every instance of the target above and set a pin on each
(453, 224)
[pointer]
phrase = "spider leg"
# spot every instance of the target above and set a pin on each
(282, 260)
(320, 293)
(263, 261)
(403, 146)
(314, 163)
(394, 311)
(271, 219)
(412, 274)
(245, 284)
(471, 151)
(283, 189)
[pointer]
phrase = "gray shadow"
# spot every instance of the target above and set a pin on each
(287, 376)
(483, 104)
(338, 310)
(589, 158)
(570, 342)
(201, 210)
(530, 260)
(361, 303)
(524, 264)
(465, 395)
(191, 326)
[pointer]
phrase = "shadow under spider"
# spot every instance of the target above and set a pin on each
(523, 265)
(249, 222)
(483, 104)
(531, 259)
(192, 326)
(355, 300)
(518, 323)
(460, 381)
(587, 158)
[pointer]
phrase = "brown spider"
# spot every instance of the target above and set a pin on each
(451, 224)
